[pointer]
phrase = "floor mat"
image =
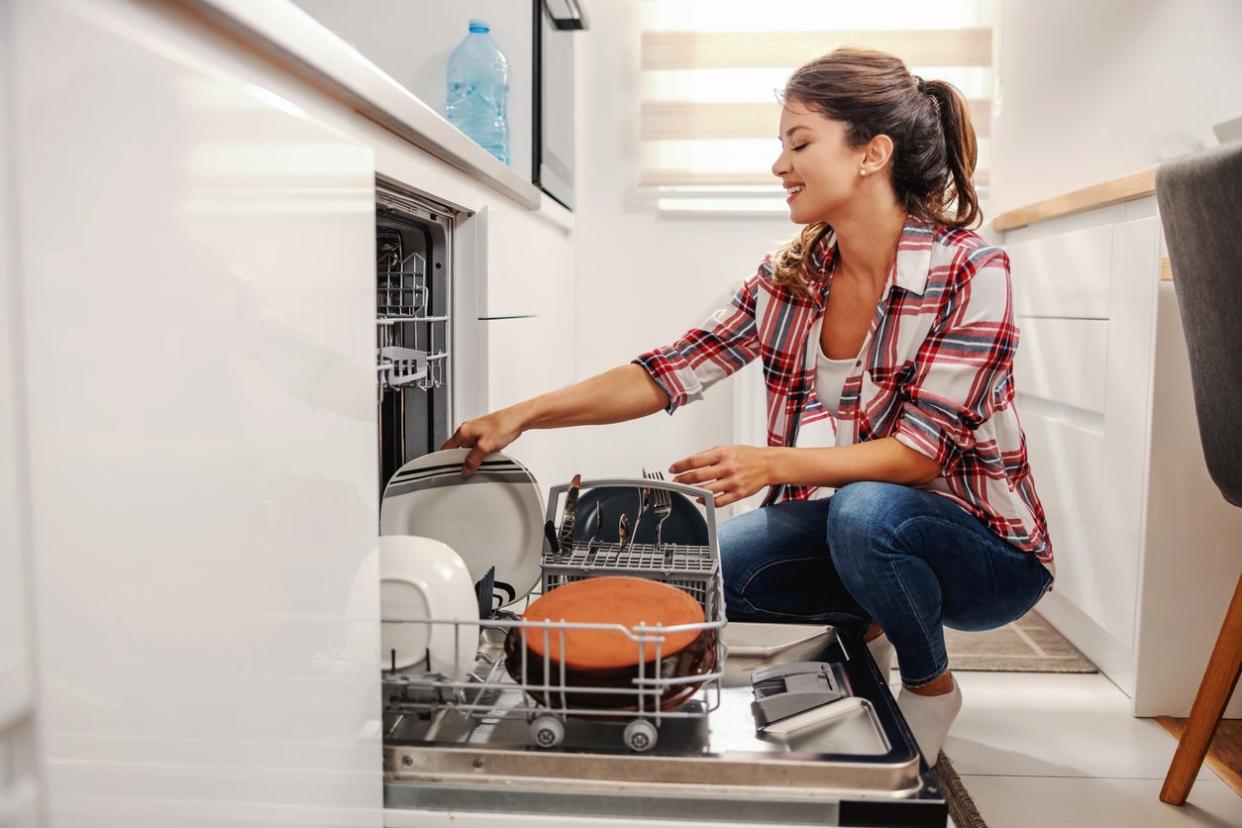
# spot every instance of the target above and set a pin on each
(962, 809)
(1028, 645)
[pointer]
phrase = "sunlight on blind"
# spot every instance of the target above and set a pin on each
(711, 71)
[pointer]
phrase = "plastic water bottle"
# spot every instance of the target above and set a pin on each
(478, 91)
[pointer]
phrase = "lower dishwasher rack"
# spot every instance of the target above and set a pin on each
(862, 769)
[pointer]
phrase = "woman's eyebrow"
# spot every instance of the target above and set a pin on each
(792, 130)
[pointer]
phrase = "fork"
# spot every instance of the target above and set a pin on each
(662, 505)
(644, 501)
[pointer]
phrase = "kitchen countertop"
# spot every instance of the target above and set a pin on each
(284, 33)
(1126, 188)
(1141, 184)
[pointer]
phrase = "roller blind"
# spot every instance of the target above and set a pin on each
(711, 71)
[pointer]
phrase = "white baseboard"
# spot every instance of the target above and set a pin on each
(1114, 658)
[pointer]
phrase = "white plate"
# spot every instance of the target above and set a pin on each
(492, 518)
(423, 579)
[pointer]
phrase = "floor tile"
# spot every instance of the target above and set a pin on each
(1055, 725)
(1030, 802)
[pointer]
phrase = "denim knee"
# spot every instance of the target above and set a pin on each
(856, 515)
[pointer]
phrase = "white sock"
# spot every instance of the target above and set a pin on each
(884, 653)
(930, 718)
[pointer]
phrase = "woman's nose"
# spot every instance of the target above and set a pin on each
(779, 165)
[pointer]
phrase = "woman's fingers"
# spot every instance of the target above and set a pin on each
(703, 458)
(474, 459)
(723, 490)
(465, 437)
(698, 475)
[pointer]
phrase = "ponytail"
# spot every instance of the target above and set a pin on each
(961, 154)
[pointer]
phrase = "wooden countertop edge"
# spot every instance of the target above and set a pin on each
(1126, 188)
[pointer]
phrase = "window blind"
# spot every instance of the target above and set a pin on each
(711, 72)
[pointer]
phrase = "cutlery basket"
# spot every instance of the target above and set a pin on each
(694, 568)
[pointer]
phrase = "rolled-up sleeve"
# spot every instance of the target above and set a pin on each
(704, 355)
(964, 369)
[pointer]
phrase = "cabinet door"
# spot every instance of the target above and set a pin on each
(15, 675)
(1064, 275)
(528, 357)
(197, 284)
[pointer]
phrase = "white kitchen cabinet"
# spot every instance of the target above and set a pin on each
(1062, 274)
(530, 260)
(196, 303)
(19, 783)
(1065, 360)
(412, 43)
(1145, 545)
(15, 673)
(527, 357)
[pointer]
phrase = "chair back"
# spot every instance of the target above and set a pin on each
(1200, 199)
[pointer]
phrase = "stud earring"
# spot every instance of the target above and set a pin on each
(862, 172)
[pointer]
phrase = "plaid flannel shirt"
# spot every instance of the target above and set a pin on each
(935, 371)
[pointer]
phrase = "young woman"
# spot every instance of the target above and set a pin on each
(885, 326)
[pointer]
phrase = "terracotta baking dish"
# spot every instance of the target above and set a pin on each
(609, 658)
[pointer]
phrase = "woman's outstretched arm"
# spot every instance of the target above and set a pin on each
(623, 393)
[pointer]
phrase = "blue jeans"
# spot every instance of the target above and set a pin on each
(907, 558)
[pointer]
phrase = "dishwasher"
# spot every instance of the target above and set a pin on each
(802, 732)
(800, 729)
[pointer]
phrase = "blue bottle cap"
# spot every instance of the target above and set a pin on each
(479, 27)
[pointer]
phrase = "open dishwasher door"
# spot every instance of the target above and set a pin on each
(853, 763)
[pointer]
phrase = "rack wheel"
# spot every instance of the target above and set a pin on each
(547, 731)
(640, 735)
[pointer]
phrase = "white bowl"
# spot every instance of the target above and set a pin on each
(422, 579)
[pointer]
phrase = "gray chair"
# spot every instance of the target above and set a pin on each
(1200, 198)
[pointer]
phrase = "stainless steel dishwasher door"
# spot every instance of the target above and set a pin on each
(860, 769)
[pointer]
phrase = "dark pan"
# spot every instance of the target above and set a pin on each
(608, 659)
(696, 660)
(685, 525)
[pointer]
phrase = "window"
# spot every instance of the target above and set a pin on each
(711, 72)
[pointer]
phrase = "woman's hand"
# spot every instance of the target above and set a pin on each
(485, 435)
(732, 472)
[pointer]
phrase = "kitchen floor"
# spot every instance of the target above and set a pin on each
(1034, 750)
(1041, 749)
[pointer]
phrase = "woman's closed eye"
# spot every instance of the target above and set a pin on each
(799, 147)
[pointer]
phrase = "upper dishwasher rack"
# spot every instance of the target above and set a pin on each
(412, 345)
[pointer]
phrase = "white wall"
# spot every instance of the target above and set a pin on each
(411, 40)
(1092, 91)
(643, 278)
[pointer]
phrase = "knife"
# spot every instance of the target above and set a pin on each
(571, 513)
(644, 500)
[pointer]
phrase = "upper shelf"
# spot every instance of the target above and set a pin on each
(285, 33)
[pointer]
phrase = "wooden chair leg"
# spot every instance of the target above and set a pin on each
(1219, 679)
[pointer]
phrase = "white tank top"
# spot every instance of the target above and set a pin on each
(830, 377)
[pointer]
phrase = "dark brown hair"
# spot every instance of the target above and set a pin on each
(934, 150)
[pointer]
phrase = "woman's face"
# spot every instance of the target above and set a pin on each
(817, 166)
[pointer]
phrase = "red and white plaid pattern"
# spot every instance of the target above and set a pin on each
(935, 371)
